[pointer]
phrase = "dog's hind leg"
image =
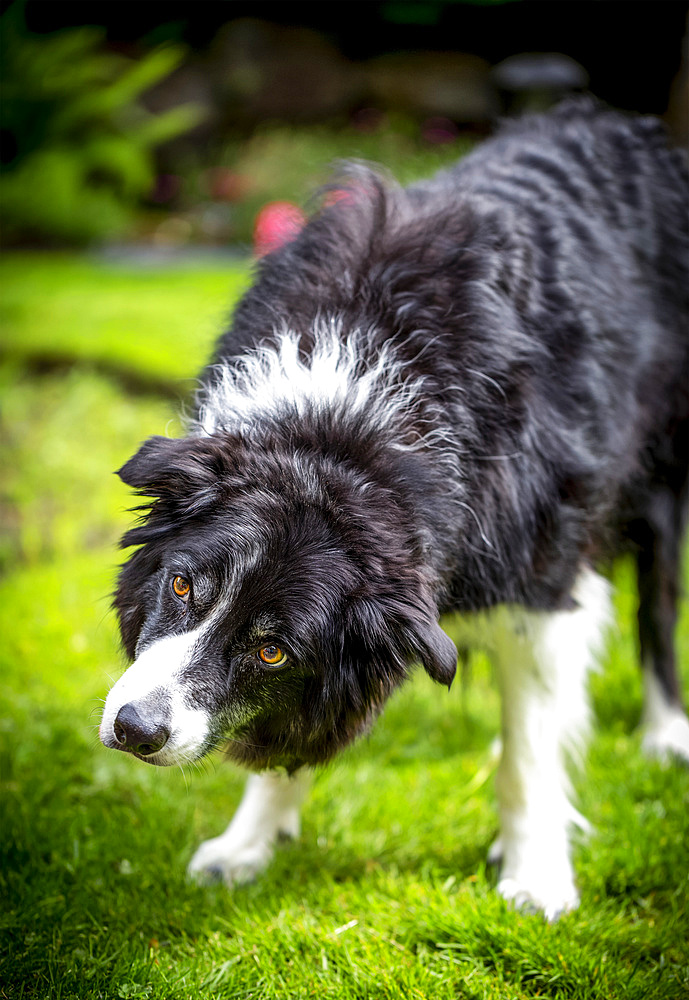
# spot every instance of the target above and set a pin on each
(665, 726)
(543, 660)
(270, 809)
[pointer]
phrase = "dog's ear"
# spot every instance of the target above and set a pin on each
(437, 653)
(150, 465)
(413, 635)
(162, 466)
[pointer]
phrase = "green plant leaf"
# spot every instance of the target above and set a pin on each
(141, 75)
(163, 127)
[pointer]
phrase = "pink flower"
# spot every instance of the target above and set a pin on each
(276, 223)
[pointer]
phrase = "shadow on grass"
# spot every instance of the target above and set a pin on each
(39, 364)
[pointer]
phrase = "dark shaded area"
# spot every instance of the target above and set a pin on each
(135, 383)
(632, 51)
(178, 123)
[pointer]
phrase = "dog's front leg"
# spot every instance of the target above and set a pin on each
(543, 661)
(270, 809)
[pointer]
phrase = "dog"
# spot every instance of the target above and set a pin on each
(460, 396)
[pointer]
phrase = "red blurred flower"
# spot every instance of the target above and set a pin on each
(277, 223)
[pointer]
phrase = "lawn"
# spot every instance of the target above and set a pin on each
(386, 894)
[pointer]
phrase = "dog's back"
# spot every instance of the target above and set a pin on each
(541, 290)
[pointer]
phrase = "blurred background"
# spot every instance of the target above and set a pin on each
(170, 125)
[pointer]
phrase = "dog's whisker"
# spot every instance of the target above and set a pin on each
(183, 773)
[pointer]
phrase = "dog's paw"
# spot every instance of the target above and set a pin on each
(535, 896)
(668, 739)
(222, 860)
(537, 876)
(268, 812)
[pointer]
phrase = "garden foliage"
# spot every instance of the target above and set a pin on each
(77, 142)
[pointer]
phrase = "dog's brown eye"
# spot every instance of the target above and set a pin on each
(271, 655)
(181, 587)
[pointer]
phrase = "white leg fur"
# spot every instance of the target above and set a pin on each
(269, 808)
(665, 727)
(543, 661)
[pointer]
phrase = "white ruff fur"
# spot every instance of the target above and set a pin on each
(269, 809)
(665, 727)
(156, 673)
(274, 380)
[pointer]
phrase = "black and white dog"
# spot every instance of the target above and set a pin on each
(458, 396)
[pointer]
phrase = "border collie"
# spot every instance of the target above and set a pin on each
(460, 396)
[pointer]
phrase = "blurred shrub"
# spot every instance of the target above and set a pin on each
(77, 147)
(281, 162)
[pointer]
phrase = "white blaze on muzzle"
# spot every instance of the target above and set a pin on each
(146, 712)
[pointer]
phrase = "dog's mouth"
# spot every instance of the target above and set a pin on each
(250, 738)
(173, 749)
(167, 757)
(150, 759)
(111, 742)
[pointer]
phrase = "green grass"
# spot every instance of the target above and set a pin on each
(142, 321)
(386, 894)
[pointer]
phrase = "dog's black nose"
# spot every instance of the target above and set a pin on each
(142, 736)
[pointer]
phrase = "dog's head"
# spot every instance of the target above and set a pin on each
(267, 607)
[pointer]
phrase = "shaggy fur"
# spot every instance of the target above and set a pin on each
(451, 397)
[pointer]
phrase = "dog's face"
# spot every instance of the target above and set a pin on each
(261, 610)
